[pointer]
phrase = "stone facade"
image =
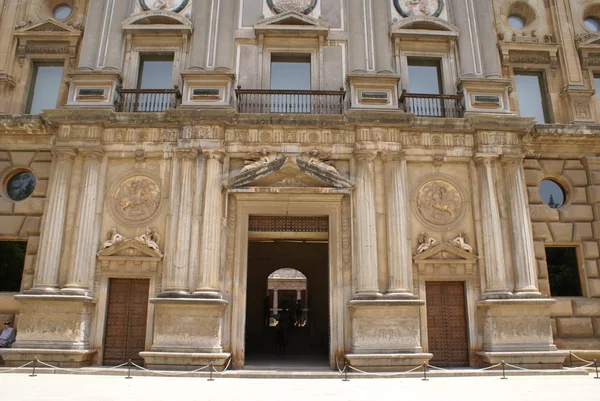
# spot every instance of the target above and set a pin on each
(165, 195)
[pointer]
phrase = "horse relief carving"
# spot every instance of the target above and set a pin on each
(439, 202)
(136, 199)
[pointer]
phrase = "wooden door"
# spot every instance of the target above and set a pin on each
(447, 324)
(125, 334)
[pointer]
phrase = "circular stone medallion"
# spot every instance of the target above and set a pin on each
(299, 6)
(169, 5)
(439, 203)
(416, 8)
(136, 199)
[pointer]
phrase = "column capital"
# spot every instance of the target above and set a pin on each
(393, 157)
(217, 154)
(485, 159)
(365, 155)
(186, 153)
(512, 160)
(92, 153)
(64, 153)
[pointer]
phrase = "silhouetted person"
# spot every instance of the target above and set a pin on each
(299, 310)
(281, 337)
(267, 311)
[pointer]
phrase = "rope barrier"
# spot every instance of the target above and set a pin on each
(13, 369)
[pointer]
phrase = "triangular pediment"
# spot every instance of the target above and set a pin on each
(292, 22)
(49, 30)
(589, 40)
(289, 172)
(445, 251)
(424, 26)
(129, 249)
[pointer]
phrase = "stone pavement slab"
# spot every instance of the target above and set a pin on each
(47, 387)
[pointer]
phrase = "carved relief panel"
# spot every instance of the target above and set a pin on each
(439, 202)
(136, 198)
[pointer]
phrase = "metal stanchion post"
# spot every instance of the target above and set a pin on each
(129, 369)
(503, 371)
(596, 366)
(34, 364)
(210, 378)
(570, 359)
(425, 379)
(346, 372)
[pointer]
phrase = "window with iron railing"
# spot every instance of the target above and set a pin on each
(45, 85)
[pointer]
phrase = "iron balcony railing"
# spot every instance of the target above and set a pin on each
(147, 100)
(425, 105)
(289, 101)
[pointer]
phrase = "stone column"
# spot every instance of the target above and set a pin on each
(224, 39)
(399, 258)
(522, 234)
(210, 241)
(52, 232)
(275, 302)
(116, 37)
(176, 282)
(84, 248)
(469, 53)
(495, 270)
(383, 52)
(364, 226)
(201, 20)
(359, 47)
(92, 35)
(487, 39)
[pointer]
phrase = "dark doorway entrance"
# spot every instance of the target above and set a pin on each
(125, 334)
(447, 323)
(280, 331)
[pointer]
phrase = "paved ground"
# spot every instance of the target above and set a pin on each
(49, 387)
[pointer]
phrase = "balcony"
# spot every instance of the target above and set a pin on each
(427, 105)
(256, 101)
(147, 100)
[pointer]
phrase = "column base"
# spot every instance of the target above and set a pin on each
(527, 294)
(399, 295)
(174, 294)
(528, 360)
(63, 358)
(207, 295)
(387, 362)
(367, 295)
(184, 360)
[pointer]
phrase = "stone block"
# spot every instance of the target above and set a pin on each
(578, 343)
(552, 166)
(591, 268)
(539, 250)
(534, 177)
(586, 307)
(6, 207)
(594, 287)
(593, 193)
(543, 213)
(11, 225)
(541, 232)
(542, 269)
(41, 188)
(596, 229)
(578, 195)
(544, 286)
(554, 329)
(31, 226)
(22, 159)
(47, 157)
(534, 196)
(575, 213)
(561, 232)
(41, 170)
(30, 206)
(578, 178)
(582, 231)
(573, 165)
(590, 250)
(595, 177)
(575, 327)
(562, 308)
(4, 156)
(596, 325)
(532, 164)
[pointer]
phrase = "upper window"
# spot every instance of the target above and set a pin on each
(20, 186)
(552, 194)
(563, 271)
(61, 11)
(532, 96)
(45, 83)
(516, 21)
(290, 72)
(592, 23)
(425, 76)
(156, 72)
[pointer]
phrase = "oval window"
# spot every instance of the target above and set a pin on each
(516, 21)
(21, 185)
(553, 195)
(62, 11)
(592, 23)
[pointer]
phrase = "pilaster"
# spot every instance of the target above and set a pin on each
(522, 235)
(93, 33)
(208, 285)
(82, 261)
(52, 230)
(493, 250)
(365, 229)
(399, 257)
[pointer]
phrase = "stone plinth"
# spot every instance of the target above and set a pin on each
(518, 331)
(373, 91)
(93, 89)
(187, 332)
(53, 328)
(207, 88)
(386, 334)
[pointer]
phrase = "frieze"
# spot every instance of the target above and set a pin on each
(301, 136)
(47, 50)
(517, 330)
(525, 59)
(394, 334)
(135, 198)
